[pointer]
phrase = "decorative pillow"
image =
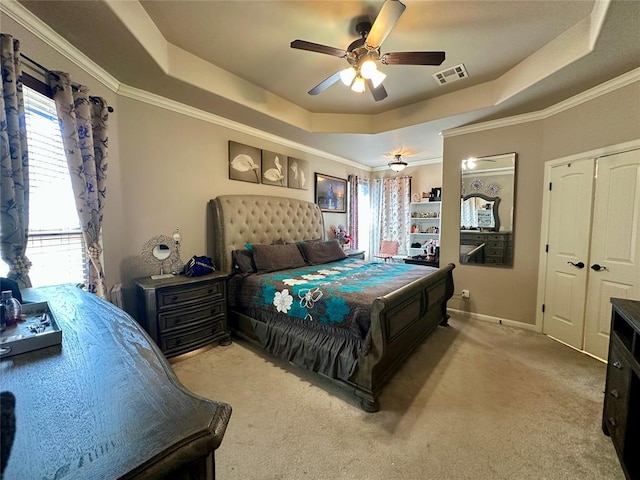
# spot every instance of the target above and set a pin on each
(271, 258)
(317, 253)
(243, 262)
(279, 241)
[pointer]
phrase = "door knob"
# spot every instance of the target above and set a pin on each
(579, 264)
(595, 267)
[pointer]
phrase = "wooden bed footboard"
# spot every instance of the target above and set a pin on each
(400, 321)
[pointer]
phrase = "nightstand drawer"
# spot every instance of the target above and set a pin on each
(473, 237)
(185, 317)
(184, 313)
(173, 345)
(495, 244)
(173, 296)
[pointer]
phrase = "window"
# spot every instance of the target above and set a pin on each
(364, 215)
(55, 246)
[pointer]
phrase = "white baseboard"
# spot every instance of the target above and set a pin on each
(490, 319)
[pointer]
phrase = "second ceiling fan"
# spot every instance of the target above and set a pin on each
(363, 54)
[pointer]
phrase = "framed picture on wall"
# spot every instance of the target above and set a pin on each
(298, 173)
(244, 162)
(274, 169)
(331, 193)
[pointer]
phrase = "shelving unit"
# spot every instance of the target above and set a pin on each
(425, 225)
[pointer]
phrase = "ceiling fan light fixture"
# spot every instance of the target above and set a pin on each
(397, 165)
(358, 85)
(469, 163)
(368, 69)
(347, 76)
(377, 78)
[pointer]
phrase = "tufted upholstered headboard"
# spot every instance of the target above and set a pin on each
(235, 220)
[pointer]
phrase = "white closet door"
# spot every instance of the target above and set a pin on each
(568, 240)
(614, 245)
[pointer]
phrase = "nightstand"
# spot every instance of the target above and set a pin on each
(355, 254)
(183, 313)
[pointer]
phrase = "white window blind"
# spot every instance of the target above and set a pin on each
(55, 245)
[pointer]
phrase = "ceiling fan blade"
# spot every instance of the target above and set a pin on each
(326, 83)
(384, 23)
(316, 47)
(413, 58)
(379, 92)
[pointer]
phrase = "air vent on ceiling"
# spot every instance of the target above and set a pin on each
(451, 74)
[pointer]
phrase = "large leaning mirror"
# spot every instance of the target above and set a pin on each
(486, 210)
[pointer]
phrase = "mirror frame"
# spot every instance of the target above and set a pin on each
(171, 261)
(496, 204)
(504, 231)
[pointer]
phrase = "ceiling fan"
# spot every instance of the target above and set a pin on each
(364, 52)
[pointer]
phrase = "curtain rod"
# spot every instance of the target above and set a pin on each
(54, 74)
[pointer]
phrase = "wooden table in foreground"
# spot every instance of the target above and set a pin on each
(105, 404)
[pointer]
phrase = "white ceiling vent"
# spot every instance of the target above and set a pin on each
(451, 74)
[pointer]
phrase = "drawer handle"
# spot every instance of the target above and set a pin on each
(174, 298)
(210, 290)
(614, 393)
(617, 365)
(612, 422)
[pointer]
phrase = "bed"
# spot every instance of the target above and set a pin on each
(358, 342)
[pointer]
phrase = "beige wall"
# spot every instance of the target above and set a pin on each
(510, 293)
(172, 165)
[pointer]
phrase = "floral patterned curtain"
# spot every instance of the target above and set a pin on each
(352, 213)
(468, 214)
(390, 200)
(14, 163)
(84, 125)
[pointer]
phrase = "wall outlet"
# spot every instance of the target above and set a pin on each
(465, 293)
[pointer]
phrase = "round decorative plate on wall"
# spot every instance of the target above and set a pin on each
(492, 189)
(415, 197)
(476, 184)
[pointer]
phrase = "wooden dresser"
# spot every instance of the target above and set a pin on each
(105, 403)
(621, 413)
(183, 313)
(497, 245)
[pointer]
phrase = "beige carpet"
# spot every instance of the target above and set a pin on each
(476, 401)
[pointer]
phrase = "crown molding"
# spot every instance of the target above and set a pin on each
(163, 102)
(417, 163)
(46, 34)
(41, 30)
(595, 92)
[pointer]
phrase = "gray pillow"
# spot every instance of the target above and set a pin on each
(243, 262)
(271, 258)
(317, 253)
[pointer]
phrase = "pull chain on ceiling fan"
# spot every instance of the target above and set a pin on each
(363, 54)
